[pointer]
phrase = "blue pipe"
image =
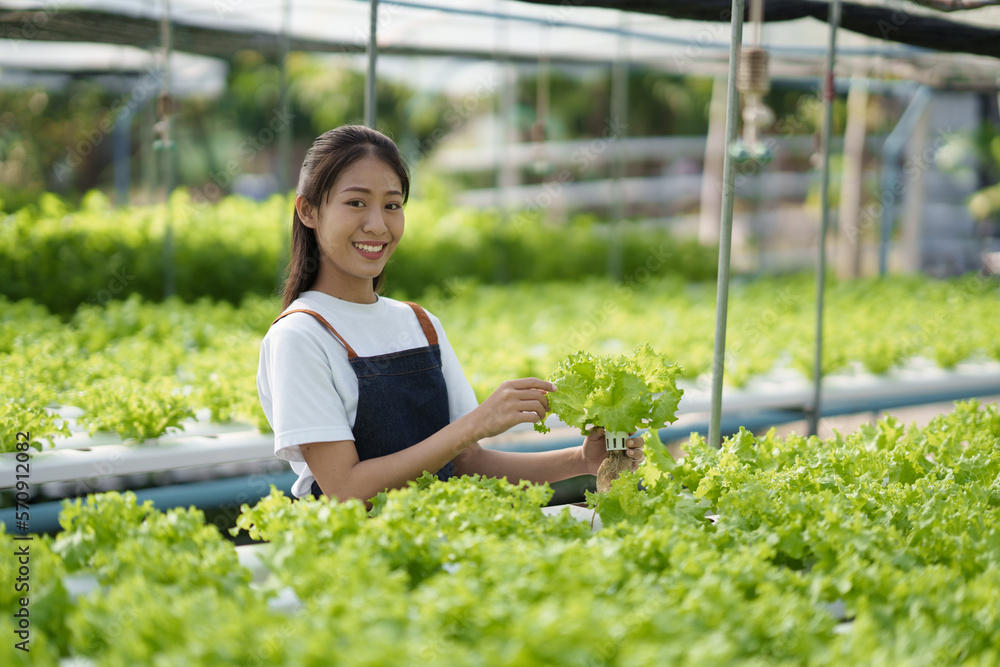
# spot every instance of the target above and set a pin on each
(210, 494)
(234, 491)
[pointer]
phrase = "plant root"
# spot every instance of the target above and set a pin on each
(616, 463)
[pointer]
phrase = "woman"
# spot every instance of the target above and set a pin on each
(363, 392)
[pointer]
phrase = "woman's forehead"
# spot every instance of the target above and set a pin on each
(369, 174)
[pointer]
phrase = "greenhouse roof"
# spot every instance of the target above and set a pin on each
(688, 37)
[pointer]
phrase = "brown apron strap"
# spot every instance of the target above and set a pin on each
(351, 354)
(425, 323)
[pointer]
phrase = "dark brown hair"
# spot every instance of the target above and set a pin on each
(330, 154)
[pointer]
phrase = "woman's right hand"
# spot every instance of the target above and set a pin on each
(514, 402)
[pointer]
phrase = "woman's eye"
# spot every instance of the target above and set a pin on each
(393, 206)
(357, 203)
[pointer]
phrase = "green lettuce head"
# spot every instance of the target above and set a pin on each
(620, 392)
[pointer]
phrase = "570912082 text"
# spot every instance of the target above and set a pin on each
(22, 553)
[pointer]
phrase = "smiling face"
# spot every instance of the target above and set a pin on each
(358, 226)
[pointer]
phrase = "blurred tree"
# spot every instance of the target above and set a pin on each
(975, 155)
(235, 134)
(580, 103)
(51, 140)
(56, 140)
(985, 141)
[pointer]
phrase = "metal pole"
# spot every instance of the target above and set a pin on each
(149, 155)
(892, 149)
(284, 134)
(122, 151)
(824, 214)
(503, 113)
(166, 145)
(726, 229)
(499, 41)
(852, 181)
(618, 127)
(372, 55)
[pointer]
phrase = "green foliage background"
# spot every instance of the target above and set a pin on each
(62, 256)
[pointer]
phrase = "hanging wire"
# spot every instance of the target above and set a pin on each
(165, 145)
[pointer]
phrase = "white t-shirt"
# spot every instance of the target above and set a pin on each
(307, 387)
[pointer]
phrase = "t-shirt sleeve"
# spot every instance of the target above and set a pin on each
(461, 397)
(297, 390)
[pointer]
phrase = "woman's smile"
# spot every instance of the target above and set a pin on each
(371, 250)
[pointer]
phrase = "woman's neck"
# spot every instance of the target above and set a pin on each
(346, 288)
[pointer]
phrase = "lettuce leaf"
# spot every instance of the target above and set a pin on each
(619, 392)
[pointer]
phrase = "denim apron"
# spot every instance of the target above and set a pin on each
(402, 396)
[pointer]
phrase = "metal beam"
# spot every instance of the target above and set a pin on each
(892, 151)
(726, 229)
(824, 214)
(370, 100)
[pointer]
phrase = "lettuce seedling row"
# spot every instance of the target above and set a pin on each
(843, 393)
(874, 547)
(141, 369)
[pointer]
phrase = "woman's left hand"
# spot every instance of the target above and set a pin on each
(595, 450)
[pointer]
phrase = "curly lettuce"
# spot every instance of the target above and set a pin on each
(619, 392)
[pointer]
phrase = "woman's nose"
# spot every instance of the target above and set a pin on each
(375, 222)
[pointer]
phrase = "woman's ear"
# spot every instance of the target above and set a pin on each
(307, 214)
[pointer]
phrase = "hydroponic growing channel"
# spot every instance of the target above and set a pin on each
(876, 547)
